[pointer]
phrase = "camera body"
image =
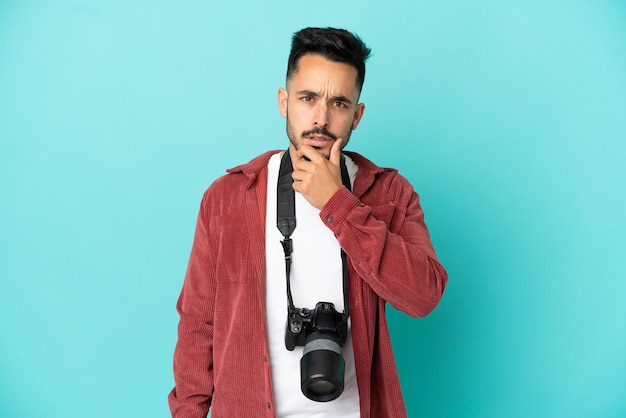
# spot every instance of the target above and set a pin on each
(324, 319)
(322, 332)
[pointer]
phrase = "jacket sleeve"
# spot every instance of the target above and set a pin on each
(193, 359)
(388, 244)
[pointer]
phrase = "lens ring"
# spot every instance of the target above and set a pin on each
(321, 344)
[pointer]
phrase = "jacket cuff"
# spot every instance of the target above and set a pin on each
(338, 208)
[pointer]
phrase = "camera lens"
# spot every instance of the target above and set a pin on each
(322, 387)
(322, 368)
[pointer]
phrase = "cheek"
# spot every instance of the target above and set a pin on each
(298, 116)
(347, 123)
(353, 124)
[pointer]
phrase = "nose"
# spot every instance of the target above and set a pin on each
(321, 115)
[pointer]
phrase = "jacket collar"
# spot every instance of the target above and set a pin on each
(364, 179)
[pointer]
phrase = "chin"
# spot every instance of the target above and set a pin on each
(325, 151)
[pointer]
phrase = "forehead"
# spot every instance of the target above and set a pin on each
(315, 72)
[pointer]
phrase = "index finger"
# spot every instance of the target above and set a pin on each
(309, 153)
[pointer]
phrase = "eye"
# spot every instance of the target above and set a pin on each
(340, 104)
(306, 98)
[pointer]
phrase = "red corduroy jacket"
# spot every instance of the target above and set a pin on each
(221, 358)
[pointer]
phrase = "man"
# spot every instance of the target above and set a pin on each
(245, 275)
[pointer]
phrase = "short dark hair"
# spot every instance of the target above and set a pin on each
(336, 45)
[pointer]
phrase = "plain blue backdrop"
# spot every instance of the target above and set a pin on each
(508, 117)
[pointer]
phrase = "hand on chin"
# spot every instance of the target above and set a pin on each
(323, 146)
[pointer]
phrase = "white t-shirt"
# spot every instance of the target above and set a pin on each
(316, 276)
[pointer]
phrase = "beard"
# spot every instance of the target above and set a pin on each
(296, 140)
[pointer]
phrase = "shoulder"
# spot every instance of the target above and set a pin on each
(242, 174)
(231, 186)
(378, 180)
(253, 166)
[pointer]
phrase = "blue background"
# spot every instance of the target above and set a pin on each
(508, 117)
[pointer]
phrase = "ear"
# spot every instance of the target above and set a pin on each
(358, 114)
(282, 101)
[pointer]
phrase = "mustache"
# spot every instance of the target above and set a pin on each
(319, 131)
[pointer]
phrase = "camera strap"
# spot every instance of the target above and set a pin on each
(286, 222)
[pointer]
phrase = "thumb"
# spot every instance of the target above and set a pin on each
(335, 152)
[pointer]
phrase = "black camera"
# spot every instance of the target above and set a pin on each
(322, 332)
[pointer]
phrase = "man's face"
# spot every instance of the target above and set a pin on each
(320, 103)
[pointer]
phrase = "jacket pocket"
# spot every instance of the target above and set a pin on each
(230, 241)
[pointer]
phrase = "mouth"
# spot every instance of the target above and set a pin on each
(318, 141)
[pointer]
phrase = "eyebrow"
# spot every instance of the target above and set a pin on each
(333, 98)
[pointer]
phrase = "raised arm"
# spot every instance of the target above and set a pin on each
(388, 244)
